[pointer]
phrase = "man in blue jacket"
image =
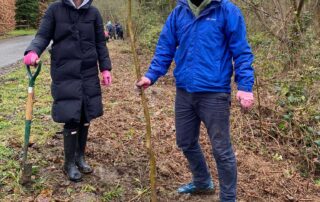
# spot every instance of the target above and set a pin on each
(207, 40)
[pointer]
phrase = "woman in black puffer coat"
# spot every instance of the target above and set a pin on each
(79, 44)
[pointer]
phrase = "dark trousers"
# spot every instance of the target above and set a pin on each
(213, 109)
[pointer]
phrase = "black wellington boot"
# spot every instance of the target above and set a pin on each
(70, 143)
(80, 153)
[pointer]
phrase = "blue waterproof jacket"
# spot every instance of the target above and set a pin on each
(206, 49)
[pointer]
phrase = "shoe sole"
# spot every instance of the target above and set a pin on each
(86, 173)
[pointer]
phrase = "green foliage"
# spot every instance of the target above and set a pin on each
(260, 39)
(277, 157)
(294, 93)
(149, 37)
(112, 10)
(161, 7)
(113, 194)
(22, 32)
(27, 12)
(148, 17)
(88, 188)
(69, 191)
(19, 32)
(300, 121)
(149, 25)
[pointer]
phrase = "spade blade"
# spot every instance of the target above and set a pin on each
(26, 174)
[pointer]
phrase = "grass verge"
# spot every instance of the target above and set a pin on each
(19, 32)
(13, 96)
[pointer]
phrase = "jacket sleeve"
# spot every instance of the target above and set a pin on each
(165, 50)
(240, 49)
(44, 34)
(102, 50)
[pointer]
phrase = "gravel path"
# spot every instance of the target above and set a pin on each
(11, 51)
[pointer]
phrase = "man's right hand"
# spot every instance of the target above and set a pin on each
(144, 83)
(31, 58)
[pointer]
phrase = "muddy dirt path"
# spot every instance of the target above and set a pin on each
(116, 151)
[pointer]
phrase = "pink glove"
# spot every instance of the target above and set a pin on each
(106, 78)
(144, 82)
(246, 99)
(31, 58)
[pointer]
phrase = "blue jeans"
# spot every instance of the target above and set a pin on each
(214, 110)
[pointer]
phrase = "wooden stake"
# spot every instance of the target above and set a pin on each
(259, 103)
(152, 159)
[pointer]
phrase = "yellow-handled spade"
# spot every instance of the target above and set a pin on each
(27, 167)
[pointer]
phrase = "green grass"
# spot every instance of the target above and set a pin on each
(9, 170)
(19, 32)
(113, 194)
(13, 95)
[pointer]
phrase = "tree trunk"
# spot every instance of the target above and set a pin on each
(152, 158)
(296, 33)
(317, 20)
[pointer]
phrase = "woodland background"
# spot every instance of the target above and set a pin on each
(285, 37)
(277, 142)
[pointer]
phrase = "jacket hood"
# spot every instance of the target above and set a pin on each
(86, 6)
(185, 2)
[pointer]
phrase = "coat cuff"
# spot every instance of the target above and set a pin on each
(245, 88)
(105, 65)
(105, 69)
(36, 50)
(152, 77)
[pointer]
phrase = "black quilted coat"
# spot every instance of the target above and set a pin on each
(78, 45)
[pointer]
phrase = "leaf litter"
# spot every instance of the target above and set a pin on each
(117, 153)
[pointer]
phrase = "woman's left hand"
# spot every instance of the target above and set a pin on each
(106, 78)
